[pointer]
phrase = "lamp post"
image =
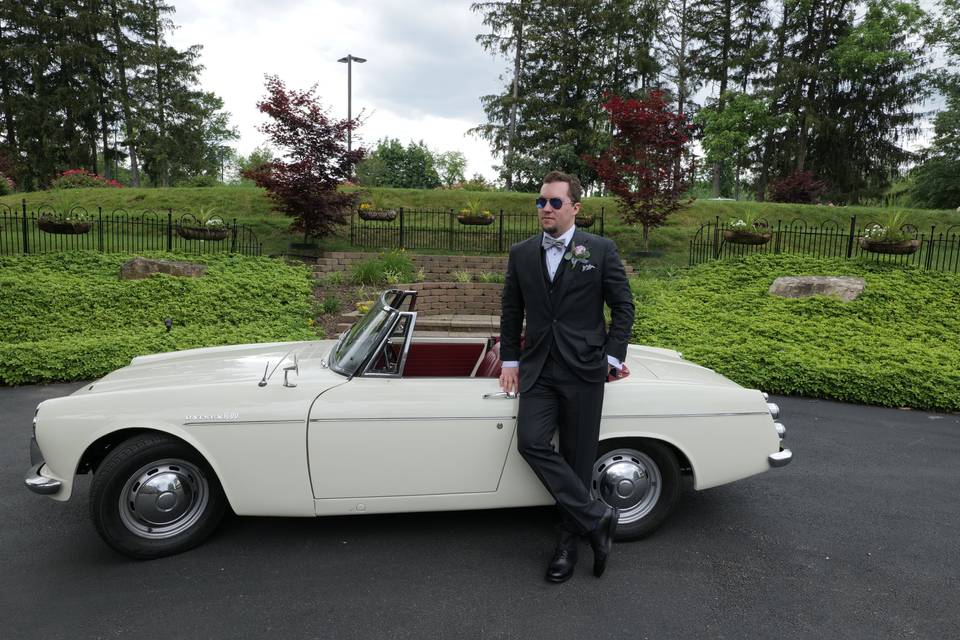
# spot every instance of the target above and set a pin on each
(349, 59)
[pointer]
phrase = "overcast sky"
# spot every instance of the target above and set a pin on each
(423, 77)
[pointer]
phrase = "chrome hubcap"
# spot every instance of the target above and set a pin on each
(628, 480)
(163, 499)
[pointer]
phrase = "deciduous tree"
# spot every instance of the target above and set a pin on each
(304, 183)
(641, 166)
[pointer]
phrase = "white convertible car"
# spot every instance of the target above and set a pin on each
(378, 421)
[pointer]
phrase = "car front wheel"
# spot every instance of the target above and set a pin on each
(642, 480)
(154, 496)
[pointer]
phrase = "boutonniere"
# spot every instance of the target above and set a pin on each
(580, 255)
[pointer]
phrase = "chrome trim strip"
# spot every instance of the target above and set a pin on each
(780, 459)
(416, 418)
(41, 484)
(201, 424)
(685, 415)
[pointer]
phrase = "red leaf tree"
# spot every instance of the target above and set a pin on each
(644, 166)
(305, 183)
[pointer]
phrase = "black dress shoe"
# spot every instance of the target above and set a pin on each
(601, 539)
(562, 564)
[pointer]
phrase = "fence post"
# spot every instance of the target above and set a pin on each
(401, 228)
(500, 234)
(601, 221)
(716, 239)
(929, 260)
(26, 233)
(100, 228)
(450, 231)
(853, 230)
(776, 245)
(233, 238)
(170, 230)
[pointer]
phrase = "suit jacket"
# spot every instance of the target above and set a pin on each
(571, 319)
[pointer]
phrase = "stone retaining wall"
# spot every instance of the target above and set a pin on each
(434, 267)
(468, 298)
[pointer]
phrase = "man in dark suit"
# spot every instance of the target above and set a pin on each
(560, 279)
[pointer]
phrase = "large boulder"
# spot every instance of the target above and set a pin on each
(846, 288)
(145, 267)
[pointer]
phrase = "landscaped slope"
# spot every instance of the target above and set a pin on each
(68, 317)
(896, 345)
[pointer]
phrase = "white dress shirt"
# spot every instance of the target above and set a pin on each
(554, 257)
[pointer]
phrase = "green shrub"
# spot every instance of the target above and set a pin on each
(392, 267)
(462, 276)
(81, 179)
(199, 181)
(895, 345)
(67, 316)
(486, 276)
(6, 185)
(330, 305)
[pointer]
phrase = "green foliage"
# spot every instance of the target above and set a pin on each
(486, 276)
(199, 181)
(67, 316)
(392, 267)
(330, 305)
(462, 276)
(451, 165)
(6, 185)
(895, 345)
(392, 165)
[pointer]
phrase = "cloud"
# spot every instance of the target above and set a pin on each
(423, 79)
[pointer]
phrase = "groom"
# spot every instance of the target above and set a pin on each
(560, 279)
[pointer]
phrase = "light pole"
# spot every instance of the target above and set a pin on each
(349, 59)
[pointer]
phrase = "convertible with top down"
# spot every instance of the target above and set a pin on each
(380, 420)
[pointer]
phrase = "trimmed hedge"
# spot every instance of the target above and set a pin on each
(896, 345)
(68, 316)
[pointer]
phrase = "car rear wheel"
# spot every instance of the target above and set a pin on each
(154, 496)
(642, 480)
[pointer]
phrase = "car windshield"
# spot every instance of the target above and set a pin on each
(362, 338)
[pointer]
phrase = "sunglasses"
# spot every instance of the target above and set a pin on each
(556, 203)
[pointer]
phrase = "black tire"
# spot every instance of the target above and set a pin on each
(172, 499)
(642, 479)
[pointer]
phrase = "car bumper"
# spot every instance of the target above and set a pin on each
(780, 459)
(35, 481)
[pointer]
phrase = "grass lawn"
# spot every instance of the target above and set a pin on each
(250, 206)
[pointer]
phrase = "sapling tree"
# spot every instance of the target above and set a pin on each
(644, 167)
(304, 181)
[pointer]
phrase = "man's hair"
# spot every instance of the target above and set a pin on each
(573, 185)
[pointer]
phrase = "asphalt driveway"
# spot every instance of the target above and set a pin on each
(857, 538)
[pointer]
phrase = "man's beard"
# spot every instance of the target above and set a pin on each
(552, 230)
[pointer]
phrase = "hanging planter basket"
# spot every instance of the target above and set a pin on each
(891, 247)
(202, 233)
(477, 219)
(746, 237)
(60, 227)
(384, 216)
(585, 221)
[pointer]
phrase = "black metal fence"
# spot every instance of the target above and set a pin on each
(45, 230)
(934, 250)
(443, 229)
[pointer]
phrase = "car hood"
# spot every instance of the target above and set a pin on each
(245, 363)
(666, 364)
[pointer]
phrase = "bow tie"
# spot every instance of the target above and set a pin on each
(553, 243)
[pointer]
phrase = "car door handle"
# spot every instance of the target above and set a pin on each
(500, 395)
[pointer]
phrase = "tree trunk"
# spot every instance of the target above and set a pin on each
(125, 96)
(511, 141)
(768, 143)
(724, 75)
